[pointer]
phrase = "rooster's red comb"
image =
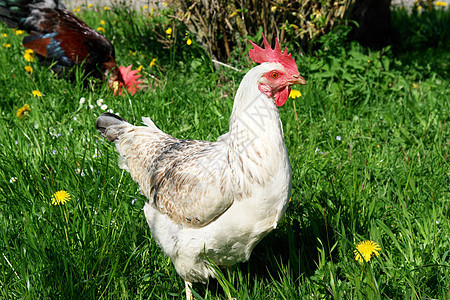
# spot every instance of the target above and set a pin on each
(130, 79)
(260, 55)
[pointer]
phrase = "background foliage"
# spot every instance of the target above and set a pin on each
(222, 25)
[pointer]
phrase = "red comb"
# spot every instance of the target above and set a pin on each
(130, 79)
(260, 55)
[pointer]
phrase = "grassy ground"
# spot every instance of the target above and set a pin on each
(368, 143)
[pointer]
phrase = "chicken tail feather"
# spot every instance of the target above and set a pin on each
(108, 125)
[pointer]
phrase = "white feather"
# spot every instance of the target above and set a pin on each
(245, 196)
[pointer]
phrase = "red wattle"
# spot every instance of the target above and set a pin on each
(282, 96)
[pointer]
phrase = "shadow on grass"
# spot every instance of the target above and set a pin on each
(422, 39)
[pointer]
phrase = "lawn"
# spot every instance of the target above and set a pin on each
(368, 141)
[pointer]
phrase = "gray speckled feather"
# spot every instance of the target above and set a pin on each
(178, 176)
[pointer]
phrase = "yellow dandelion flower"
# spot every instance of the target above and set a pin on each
(365, 250)
(415, 85)
(90, 5)
(189, 42)
(28, 55)
(145, 7)
(60, 197)
(6, 45)
(19, 32)
(101, 29)
(23, 111)
(36, 93)
(273, 8)
(169, 31)
(105, 8)
(133, 52)
(102, 22)
(29, 69)
(165, 4)
(153, 62)
(294, 94)
(419, 7)
(317, 14)
(234, 13)
(440, 3)
(140, 68)
(4, 35)
(78, 9)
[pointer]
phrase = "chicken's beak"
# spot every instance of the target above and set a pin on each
(115, 86)
(297, 79)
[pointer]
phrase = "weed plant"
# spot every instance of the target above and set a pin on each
(368, 142)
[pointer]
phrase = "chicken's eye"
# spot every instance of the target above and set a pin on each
(274, 75)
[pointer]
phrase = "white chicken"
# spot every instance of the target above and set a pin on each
(214, 201)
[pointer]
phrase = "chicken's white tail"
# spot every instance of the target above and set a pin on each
(108, 125)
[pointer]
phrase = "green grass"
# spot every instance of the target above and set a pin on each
(386, 179)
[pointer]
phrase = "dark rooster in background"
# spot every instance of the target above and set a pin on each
(57, 36)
